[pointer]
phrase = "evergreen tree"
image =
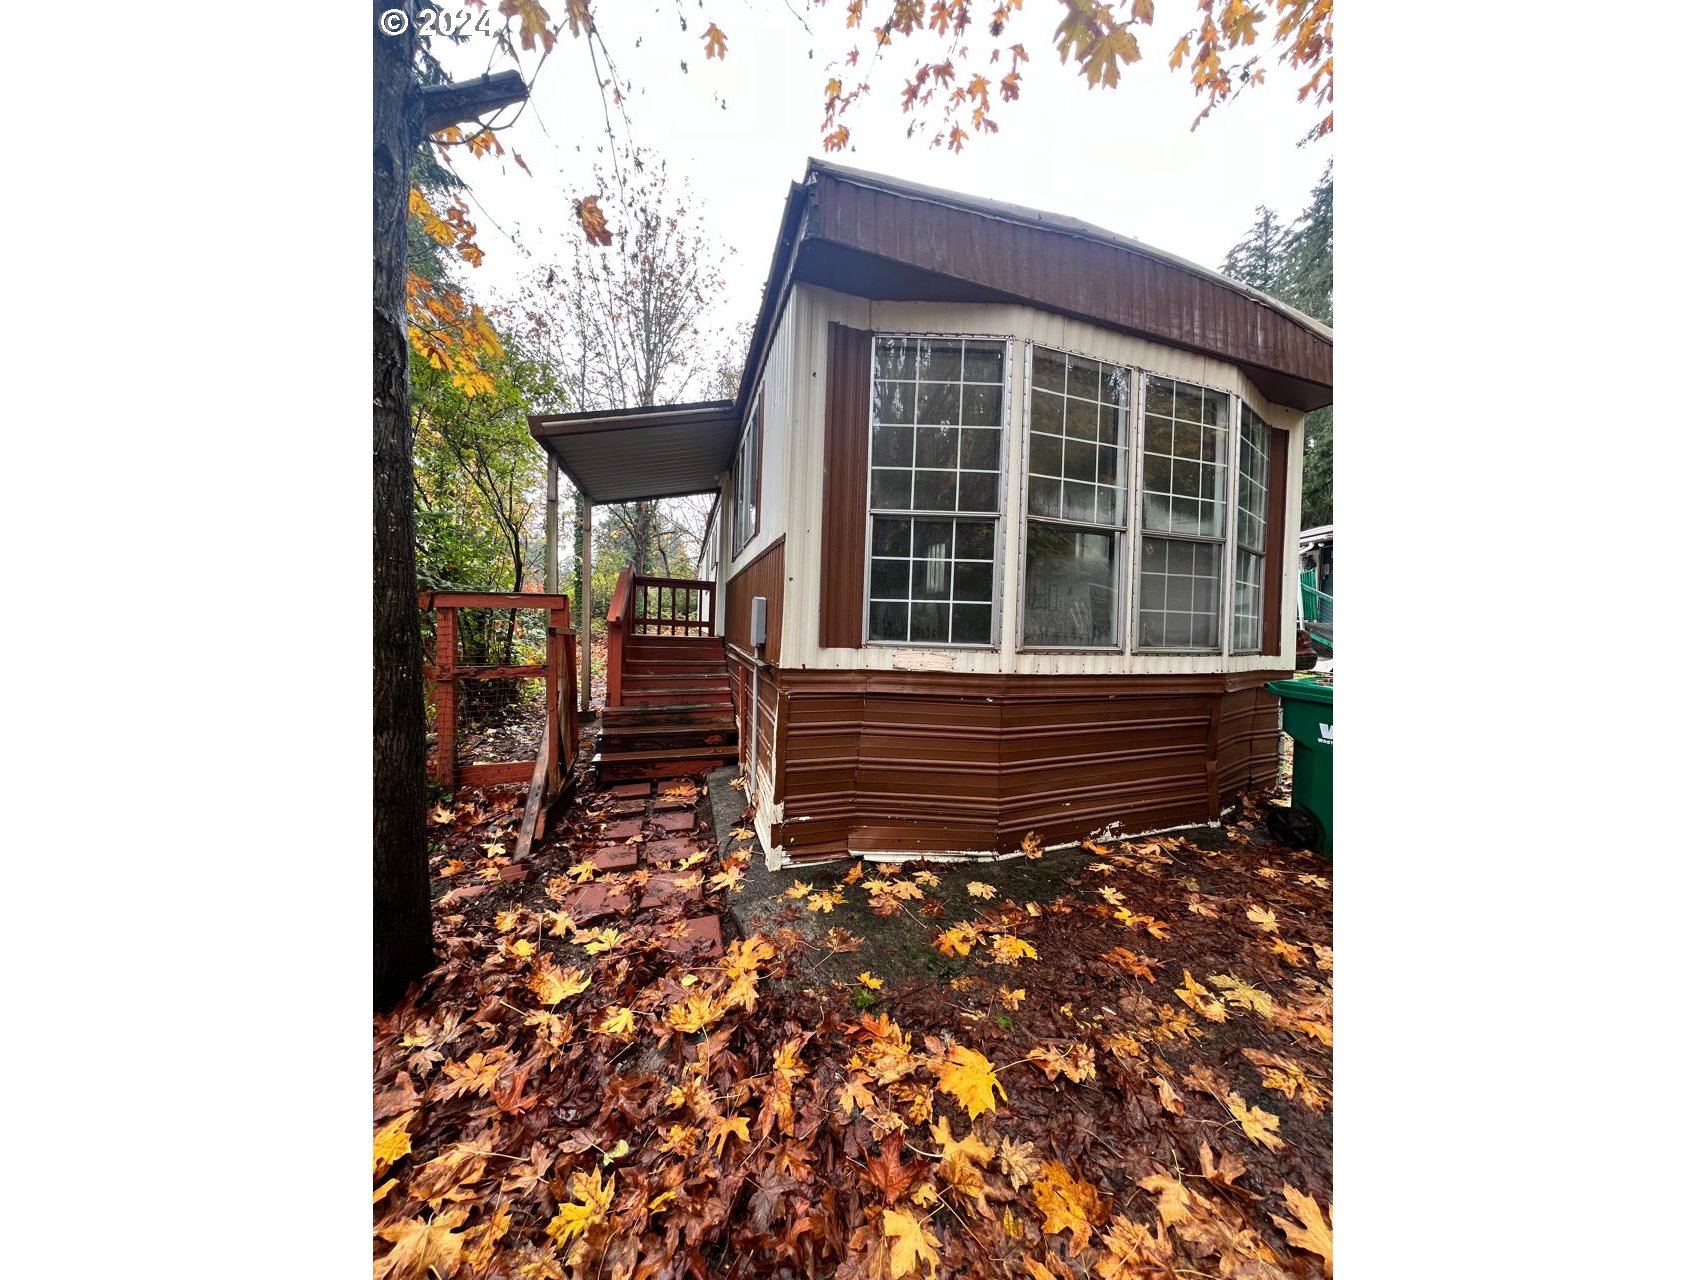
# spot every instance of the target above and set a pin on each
(1296, 266)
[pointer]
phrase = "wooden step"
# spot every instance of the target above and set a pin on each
(675, 712)
(675, 762)
(673, 698)
(659, 739)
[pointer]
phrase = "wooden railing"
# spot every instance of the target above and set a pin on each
(617, 624)
(550, 774)
(674, 607)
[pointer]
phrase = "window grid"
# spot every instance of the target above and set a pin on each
(745, 506)
(1076, 468)
(1180, 582)
(1076, 487)
(1252, 531)
(936, 448)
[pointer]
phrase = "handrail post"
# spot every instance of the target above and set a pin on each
(616, 623)
(444, 637)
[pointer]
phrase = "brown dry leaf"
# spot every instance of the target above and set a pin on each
(1169, 1098)
(1031, 845)
(421, 1249)
(889, 1174)
(1067, 1204)
(552, 985)
(1242, 995)
(1282, 1075)
(1077, 1062)
(913, 1247)
(1230, 1168)
(1310, 1231)
(1173, 1200)
(456, 1166)
(1011, 998)
(1018, 1160)
(968, 1077)
(722, 1127)
(1130, 962)
(1133, 1253)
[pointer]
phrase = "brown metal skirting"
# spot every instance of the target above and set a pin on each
(937, 762)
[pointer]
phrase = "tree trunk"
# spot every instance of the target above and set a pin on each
(402, 908)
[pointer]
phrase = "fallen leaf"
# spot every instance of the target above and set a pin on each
(1067, 1204)
(914, 1245)
(875, 984)
(422, 1249)
(1310, 1231)
(391, 1143)
(968, 1077)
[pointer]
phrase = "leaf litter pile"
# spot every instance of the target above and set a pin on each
(1130, 1080)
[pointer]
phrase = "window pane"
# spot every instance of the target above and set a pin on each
(1178, 595)
(939, 403)
(1069, 587)
(891, 537)
(1048, 369)
(1083, 444)
(975, 539)
(891, 490)
(939, 360)
(893, 401)
(1045, 454)
(983, 361)
(937, 446)
(980, 450)
(974, 580)
(891, 446)
(1045, 497)
(929, 622)
(889, 579)
(888, 620)
(933, 491)
(896, 358)
(981, 406)
(971, 623)
(977, 491)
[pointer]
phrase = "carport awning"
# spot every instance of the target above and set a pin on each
(629, 455)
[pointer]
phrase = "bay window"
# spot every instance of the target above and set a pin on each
(935, 481)
(1075, 485)
(1180, 583)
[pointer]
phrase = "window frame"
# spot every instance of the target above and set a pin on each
(746, 469)
(1235, 543)
(1222, 646)
(997, 518)
(1121, 532)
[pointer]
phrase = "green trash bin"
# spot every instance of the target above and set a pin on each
(1306, 713)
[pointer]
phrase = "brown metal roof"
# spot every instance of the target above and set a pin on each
(878, 237)
(626, 455)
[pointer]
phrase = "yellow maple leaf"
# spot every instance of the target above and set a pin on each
(1067, 1204)
(1011, 998)
(618, 1022)
(1032, 845)
(586, 1208)
(1258, 1125)
(1310, 1231)
(552, 985)
(825, 902)
(956, 941)
(978, 889)
(913, 1246)
(927, 878)
(1133, 1253)
(1114, 896)
(797, 890)
(1198, 997)
(1242, 995)
(391, 1143)
(699, 1011)
(1263, 919)
(1018, 1160)
(597, 940)
(968, 1077)
(1010, 950)
(520, 948)
(875, 984)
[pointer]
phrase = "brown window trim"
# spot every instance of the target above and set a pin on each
(846, 457)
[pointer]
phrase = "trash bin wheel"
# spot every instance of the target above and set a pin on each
(1295, 828)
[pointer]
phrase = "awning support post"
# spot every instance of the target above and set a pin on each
(585, 505)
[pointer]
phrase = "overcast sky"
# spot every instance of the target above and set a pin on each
(740, 130)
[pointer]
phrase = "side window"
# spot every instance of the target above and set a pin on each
(744, 493)
(1075, 482)
(1252, 532)
(935, 489)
